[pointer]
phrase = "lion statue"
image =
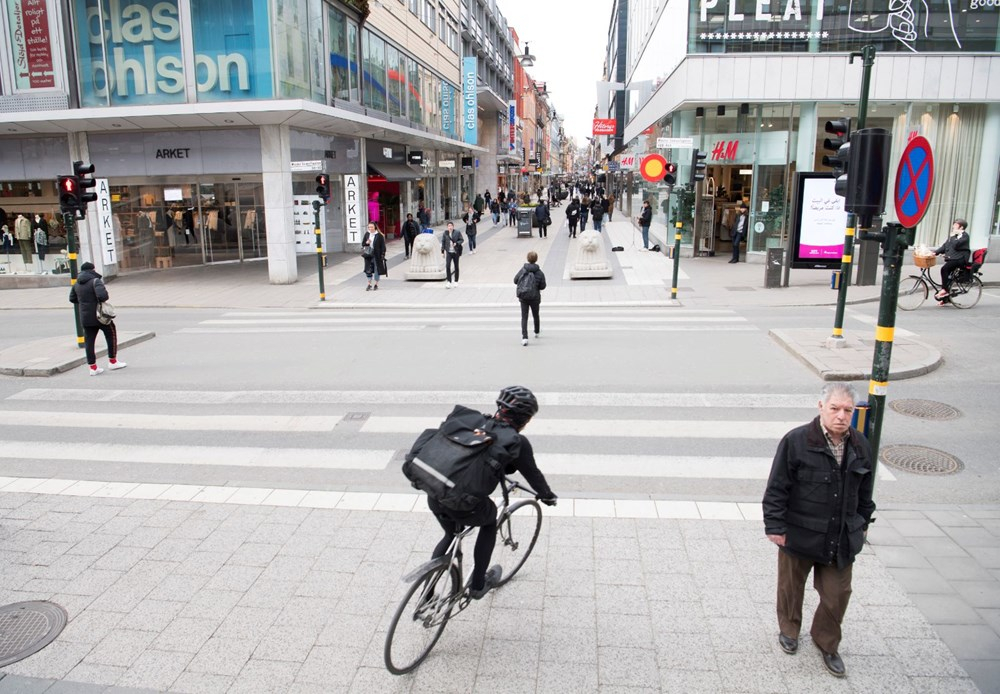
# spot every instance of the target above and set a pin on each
(590, 258)
(426, 262)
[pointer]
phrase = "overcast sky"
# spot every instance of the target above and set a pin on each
(569, 45)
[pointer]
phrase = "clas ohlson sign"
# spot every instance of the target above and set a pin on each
(130, 51)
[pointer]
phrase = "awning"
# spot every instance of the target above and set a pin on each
(395, 172)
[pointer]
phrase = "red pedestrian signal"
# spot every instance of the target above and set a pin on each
(670, 175)
(69, 194)
(323, 187)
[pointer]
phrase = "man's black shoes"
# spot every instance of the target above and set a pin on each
(492, 579)
(788, 644)
(834, 664)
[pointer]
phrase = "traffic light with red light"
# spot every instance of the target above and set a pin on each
(323, 187)
(69, 194)
(670, 177)
(840, 145)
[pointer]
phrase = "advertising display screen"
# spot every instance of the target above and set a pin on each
(819, 223)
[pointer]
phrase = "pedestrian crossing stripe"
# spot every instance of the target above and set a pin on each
(371, 501)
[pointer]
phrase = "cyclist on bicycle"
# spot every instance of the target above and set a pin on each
(516, 405)
(956, 256)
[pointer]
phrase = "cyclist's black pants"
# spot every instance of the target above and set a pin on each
(947, 269)
(486, 518)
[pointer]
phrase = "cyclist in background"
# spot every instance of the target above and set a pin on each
(516, 405)
(956, 256)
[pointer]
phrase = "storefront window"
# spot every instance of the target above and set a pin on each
(340, 69)
(395, 81)
(129, 54)
(298, 31)
(413, 91)
(232, 49)
(374, 77)
(352, 53)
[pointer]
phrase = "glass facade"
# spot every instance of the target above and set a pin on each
(298, 38)
(232, 59)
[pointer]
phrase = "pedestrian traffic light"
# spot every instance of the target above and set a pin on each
(698, 166)
(81, 172)
(670, 177)
(69, 194)
(323, 187)
(869, 167)
(840, 146)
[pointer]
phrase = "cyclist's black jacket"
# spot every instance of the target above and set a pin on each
(525, 464)
(956, 248)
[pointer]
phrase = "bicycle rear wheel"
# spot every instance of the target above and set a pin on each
(965, 292)
(420, 618)
(912, 293)
(517, 531)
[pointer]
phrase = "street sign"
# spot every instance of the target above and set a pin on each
(675, 143)
(914, 182)
(313, 165)
(653, 168)
(612, 166)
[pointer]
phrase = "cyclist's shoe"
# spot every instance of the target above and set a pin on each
(492, 579)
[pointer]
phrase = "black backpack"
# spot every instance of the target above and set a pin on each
(527, 286)
(460, 463)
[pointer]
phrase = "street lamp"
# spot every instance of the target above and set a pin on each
(527, 60)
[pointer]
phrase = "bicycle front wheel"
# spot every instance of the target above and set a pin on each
(912, 293)
(517, 532)
(965, 293)
(420, 618)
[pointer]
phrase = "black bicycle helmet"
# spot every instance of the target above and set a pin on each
(517, 404)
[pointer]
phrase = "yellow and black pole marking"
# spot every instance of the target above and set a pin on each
(677, 261)
(317, 206)
(846, 262)
(69, 223)
(895, 239)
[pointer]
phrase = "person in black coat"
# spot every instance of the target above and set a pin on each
(645, 219)
(471, 219)
(375, 259)
(89, 291)
(543, 219)
(956, 256)
(451, 247)
(530, 296)
(410, 231)
(817, 508)
(597, 213)
(740, 229)
(573, 216)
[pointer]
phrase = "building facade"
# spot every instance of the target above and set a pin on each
(209, 122)
(752, 84)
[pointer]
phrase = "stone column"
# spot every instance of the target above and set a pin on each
(275, 150)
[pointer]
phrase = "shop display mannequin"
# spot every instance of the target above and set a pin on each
(22, 232)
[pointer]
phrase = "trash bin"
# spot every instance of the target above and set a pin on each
(524, 222)
(772, 267)
(866, 255)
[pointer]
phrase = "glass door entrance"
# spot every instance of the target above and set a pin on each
(231, 221)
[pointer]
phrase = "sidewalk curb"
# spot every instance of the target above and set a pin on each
(58, 355)
(808, 345)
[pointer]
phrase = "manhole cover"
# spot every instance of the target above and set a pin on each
(357, 416)
(920, 460)
(28, 627)
(925, 409)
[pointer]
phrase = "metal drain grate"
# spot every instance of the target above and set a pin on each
(920, 460)
(357, 416)
(925, 409)
(28, 627)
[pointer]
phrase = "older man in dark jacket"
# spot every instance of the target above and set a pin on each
(817, 508)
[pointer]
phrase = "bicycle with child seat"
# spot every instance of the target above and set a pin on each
(964, 292)
(438, 591)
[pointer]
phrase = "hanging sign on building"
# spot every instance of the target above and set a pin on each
(627, 161)
(512, 125)
(105, 222)
(470, 102)
(448, 109)
(352, 207)
(604, 126)
(32, 47)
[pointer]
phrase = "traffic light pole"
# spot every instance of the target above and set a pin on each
(317, 206)
(895, 239)
(867, 55)
(69, 223)
(677, 260)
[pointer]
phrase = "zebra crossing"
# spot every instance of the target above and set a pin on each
(332, 437)
(474, 319)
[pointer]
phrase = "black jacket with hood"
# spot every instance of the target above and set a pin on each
(539, 276)
(88, 291)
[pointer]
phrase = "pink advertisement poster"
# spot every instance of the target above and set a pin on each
(31, 43)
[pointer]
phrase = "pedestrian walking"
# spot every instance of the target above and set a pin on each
(471, 219)
(573, 216)
(479, 204)
(543, 219)
(584, 213)
(87, 293)
(423, 218)
(451, 247)
(530, 281)
(373, 252)
(740, 229)
(410, 231)
(610, 205)
(495, 211)
(817, 509)
(597, 213)
(645, 219)
(512, 211)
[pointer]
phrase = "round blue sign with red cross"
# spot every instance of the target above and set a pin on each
(914, 181)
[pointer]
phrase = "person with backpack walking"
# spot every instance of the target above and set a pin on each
(530, 281)
(597, 213)
(473, 478)
(451, 248)
(573, 216)
(87, 293)
(543, 219)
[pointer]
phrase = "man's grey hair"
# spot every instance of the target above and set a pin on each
(838, 388)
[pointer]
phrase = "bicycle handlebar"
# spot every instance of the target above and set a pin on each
(511, 484)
